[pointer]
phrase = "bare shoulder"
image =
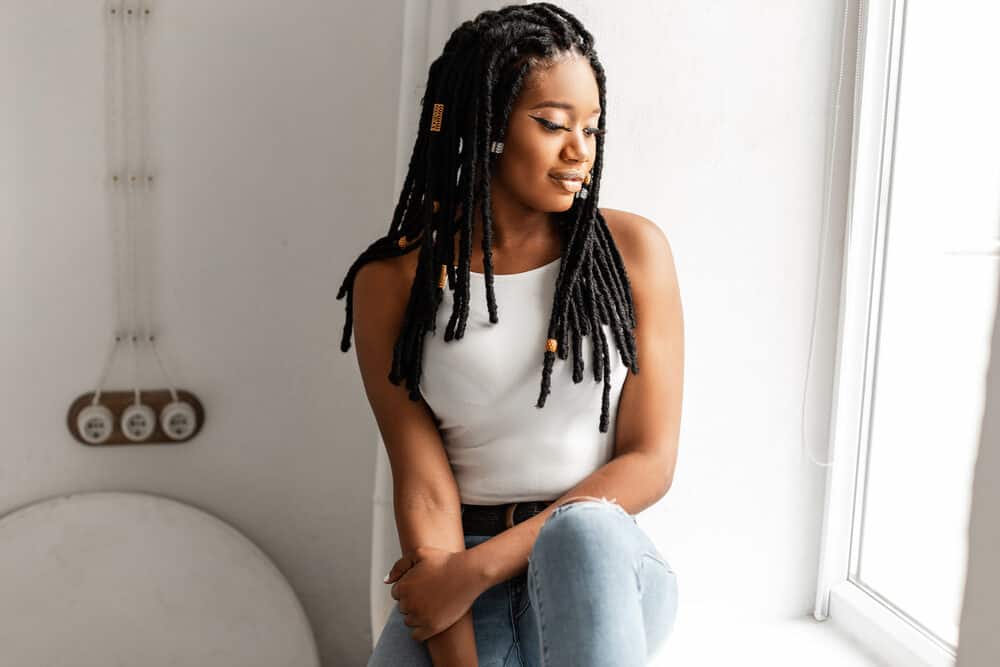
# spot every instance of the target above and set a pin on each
(380, 295)
(641, 242)
(385, 283)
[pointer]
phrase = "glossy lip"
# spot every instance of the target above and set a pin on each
(567, 175)
(576, 187)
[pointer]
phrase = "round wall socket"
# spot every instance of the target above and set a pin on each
(178, 420)
(138, 422)
(95, 423)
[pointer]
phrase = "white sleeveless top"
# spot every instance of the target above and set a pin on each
(483, 388)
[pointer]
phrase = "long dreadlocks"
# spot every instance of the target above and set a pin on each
(471, 88)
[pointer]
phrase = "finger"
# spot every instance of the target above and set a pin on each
(394, 571)
(401, 567)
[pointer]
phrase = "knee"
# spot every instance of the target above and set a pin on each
(580, 525)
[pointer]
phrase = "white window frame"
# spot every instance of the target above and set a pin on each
(846, 603)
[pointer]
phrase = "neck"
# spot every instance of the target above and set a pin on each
(515, 235)
(516, 229)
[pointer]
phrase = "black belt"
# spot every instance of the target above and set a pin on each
(493, 519)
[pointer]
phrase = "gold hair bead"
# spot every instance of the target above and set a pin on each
(443, 280)
(551, 344)
(403, 241)
(436, 117)
(586, 179)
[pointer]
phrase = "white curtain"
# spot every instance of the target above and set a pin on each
(426, 27)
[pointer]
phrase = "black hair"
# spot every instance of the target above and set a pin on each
(470, 90)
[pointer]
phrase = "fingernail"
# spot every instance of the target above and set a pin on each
(386, 580)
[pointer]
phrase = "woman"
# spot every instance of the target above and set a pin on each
(516, 516)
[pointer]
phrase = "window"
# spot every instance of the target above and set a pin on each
(918, 302)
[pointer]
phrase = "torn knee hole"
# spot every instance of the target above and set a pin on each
(602, 499)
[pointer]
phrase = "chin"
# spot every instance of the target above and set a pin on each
(556, 204)
(559, 203)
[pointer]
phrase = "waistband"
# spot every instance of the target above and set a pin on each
(494, 519)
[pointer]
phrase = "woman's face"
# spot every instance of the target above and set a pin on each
(550, 131)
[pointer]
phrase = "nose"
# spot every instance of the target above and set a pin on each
(576, 147)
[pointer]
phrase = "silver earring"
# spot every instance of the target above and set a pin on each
(497, 147)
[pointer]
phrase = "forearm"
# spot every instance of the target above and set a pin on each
(633, 480)
(456, 646)
(422, 523)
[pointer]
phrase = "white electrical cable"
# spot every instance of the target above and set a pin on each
(133, 170)
(145, 11)
(112, 21)
(130, 185)
(113, 151)
(832, 151)
(142, 176)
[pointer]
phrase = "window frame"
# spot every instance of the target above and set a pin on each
(851, 607)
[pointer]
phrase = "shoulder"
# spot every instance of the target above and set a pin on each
(641, 242)
(381, 291)
(386, 275)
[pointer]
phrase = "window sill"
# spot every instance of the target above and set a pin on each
(734, 641)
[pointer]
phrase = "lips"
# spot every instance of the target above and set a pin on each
(568, 184)
(574, 174)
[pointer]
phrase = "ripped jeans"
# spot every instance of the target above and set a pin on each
(596, 592)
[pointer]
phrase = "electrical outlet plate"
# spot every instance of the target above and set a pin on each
(175, 425)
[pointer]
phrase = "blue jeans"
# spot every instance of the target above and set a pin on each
(596, 592)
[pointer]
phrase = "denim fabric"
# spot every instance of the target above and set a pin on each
(597, 592)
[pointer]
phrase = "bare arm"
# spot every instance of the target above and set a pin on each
(425, 495)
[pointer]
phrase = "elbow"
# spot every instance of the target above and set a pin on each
(666, 476)
(663, 488)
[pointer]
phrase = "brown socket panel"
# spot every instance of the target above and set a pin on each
(117, 401)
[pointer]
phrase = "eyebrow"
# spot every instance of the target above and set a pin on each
(559, 105)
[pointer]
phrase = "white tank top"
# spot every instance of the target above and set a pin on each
(483, 388)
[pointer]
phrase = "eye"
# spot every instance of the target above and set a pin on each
(553, 127)
(549, 125)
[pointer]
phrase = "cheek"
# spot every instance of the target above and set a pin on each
(527, 174)
(515, 172)
(530, 183)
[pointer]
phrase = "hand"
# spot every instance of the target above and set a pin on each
(438, 588)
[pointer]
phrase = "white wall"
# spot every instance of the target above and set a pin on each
(717, 116)
(275, 129)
